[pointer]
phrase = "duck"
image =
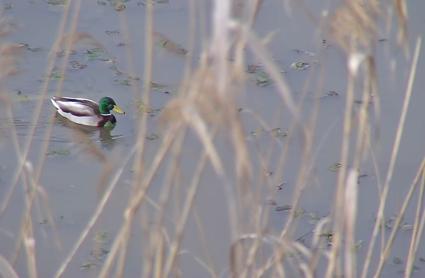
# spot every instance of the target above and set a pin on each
(86, 111)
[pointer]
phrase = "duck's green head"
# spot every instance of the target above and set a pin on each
(106, 104)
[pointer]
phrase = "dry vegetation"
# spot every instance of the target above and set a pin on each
(206, 106)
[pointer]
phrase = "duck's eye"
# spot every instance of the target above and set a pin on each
(110, 106)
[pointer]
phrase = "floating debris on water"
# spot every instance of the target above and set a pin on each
(397, 260)
(152, 136)
(305, 52)
(97, 54)
(163, 42)
(112, 32)
(280, 186)
(262, 79)
(332, 94)
(120, 6)
(75, 65)
(57, 2)
(29, 48)
(279, 133)
(271, 202)
(283, 208)
(56, 75)
(98, 252)
(142, 107)
(335, 167)
(158, 87)
(58, 152)
(300, 65)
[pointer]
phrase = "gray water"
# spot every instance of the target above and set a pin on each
(70, 175)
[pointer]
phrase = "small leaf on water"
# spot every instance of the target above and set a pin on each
(283, 208)
(305, 52)
(358, 245)
(335, 167)
(7, 6)
(407, 227)
(332, 94)
(152, 136)
(268, 173)
(59, 152)
(57, 2)
(143, 3)
(397, 260)
(163, 42)
(112, 32)
(148, 110)
(56, 75)
(31, 49)
(75, 65)
(100, 248)
(389, 223)
(101, 236)
(102, 2)
(299, 212)
(43, 221)
(300, 65)
(125, 82)
(271, 202)
(157, 86)
(328, 236)
(20, 98)
(252, 68)
(97, 54)
(279, 133)
(87, 265)
(119, 6)
(256, 132)
(262, 79)
(280, 186)
(313, 216)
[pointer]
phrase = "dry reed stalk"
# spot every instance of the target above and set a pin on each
(99, 209)
(401, 9)
(417, 228)
(36, 116)
(350, 214)
(388, 246)
(281, 84)
(68, 45)
(155, 254)
(156, 257)
(208, 264)
(27, 234)
(317, 243)
(136, 201)
(9, 54)
(181, 223)
(374, 234)
(353, 26)
(396, 146)
(29, 238)
(138, 164)
(6, 269)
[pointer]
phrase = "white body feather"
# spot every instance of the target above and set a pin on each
(76, 106)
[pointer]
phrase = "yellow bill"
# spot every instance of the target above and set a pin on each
(118, 110)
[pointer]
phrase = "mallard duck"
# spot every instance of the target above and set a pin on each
(87, 112)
